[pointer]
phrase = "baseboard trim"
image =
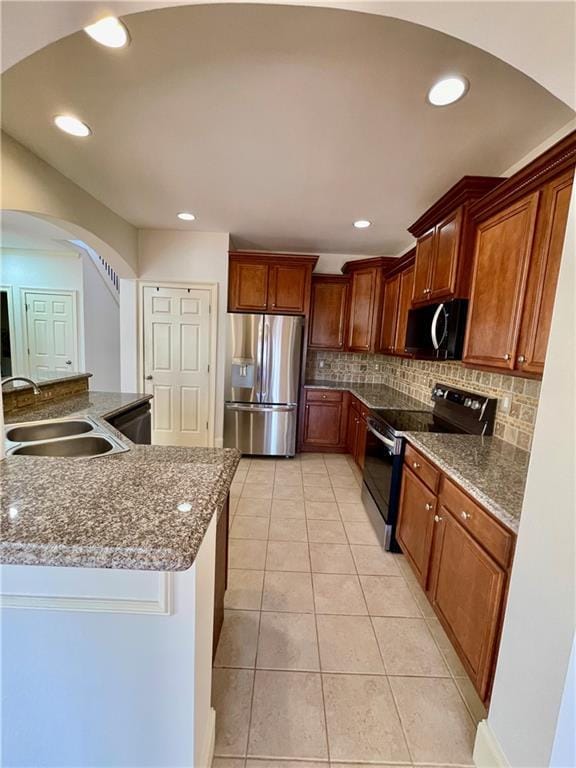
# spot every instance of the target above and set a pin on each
(487, 751)
(207, 754)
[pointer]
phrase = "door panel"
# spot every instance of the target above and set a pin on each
(415, 523)
(322, 424)
(177, 345)
(243, 358)
(404, 301)
(445, 261)
(424, 255)
(365, 285)
(281, 355)
(389, 314)
(328, 309)
(52, 333)
(501, 259)
(287, 288)
(543, 275)
(248, 287)
(467, 592)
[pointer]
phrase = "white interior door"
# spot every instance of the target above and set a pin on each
(52, 333)
(177, 339)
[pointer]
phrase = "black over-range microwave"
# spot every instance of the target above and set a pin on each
(436, 332)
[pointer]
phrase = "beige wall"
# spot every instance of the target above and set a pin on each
(29, 184)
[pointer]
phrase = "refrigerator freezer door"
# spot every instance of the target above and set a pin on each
(244, 358)
(265, 430)
(281, 355)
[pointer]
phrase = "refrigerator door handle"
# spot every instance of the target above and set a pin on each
(261, 408)
(265, 360)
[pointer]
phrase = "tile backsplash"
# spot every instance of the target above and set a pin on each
(417, 377)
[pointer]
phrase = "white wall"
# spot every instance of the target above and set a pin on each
(58, 270)
(191, 257)
(541, 613)
(101, 330)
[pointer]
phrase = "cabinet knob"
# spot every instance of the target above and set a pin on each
(274, 304)
(465, 515)
(437, 519)
(416, 465)
(324, 397)
(506, 356)
(429, 506)
(521, 359)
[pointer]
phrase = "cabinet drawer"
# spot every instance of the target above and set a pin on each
(324, 395)
(498, 542)
(422, 468)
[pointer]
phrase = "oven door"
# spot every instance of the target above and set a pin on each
(382, 477)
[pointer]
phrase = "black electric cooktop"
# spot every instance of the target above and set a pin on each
(413, 421)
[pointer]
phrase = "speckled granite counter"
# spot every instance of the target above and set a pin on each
(119, 511)
(492, 471)
(372, 395)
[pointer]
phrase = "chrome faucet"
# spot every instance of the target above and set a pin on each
(35, 387)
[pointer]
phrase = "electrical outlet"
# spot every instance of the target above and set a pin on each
(376, 366)
(505, 404)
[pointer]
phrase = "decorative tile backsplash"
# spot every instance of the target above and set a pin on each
(417, 377)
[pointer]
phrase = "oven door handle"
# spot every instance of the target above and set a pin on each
(387, 442)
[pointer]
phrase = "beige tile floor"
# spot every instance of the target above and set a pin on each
(330, 654)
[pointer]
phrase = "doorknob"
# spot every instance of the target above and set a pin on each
(68, 362)
(149, 377)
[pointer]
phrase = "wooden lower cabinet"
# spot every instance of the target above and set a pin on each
(461, 556)
(356, 431)
(220, 574)
(324, 420)
(416, 523)
(467, 590)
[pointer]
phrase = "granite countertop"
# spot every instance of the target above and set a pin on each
(372, 395)
(49, 377)
(145, 509)
(492, 471)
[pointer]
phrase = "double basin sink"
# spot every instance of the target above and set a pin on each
(75, 437)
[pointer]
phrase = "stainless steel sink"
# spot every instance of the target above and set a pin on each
(48, 430)
(74, 437)
(78, 446)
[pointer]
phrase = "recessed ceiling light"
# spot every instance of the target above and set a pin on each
(72, 125)
(447, 91)
(185, 216)
(109, 32)
(362, 223)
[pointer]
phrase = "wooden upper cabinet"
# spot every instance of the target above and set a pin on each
(391, 296)
(248, 287)
(328, 312)
(424, 256)
(501, 260)
(365, 288)
(404, 301)
(270, 283)
(445, 260)
(444, 242)
(543, 274)
(467, 592)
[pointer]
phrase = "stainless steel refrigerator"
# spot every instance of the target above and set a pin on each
(264, 354)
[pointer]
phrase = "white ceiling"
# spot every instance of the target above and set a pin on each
(280, 125)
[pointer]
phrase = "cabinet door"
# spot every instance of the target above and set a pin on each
(543, 275)
(365, 286)
(424, 255)
(352, 429)
(445, 259)
(360, 453)
(415, 523)
(404, 301)
(501, 258)
(287, 288)
(322, 424)
(220, 574)
(389, 314)
(328, 313)
(467, 592)
(248, 287)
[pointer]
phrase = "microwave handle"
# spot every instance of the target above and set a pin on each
(434, 329)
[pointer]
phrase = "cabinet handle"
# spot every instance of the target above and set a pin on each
(307, 406)
(506, 356)
(521, 359)
(465, 515)
(416, 465)
(324, 397)
(429, 506)
(437, 519)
